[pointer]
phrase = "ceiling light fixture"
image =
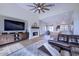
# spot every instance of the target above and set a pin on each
(40, 7)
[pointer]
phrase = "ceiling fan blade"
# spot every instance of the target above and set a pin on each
(46, 9)
(36, 10)
(43, 11)
(35, 4)
(33, 9)
(30, 5)
(39, 4)
(39, 11)
(42, 4)
(49, 5)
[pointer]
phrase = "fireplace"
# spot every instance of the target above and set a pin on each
(35, 33)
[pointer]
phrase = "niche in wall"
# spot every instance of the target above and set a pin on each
(14, 24)
(11, 25)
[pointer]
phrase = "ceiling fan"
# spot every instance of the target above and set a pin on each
(40, 7)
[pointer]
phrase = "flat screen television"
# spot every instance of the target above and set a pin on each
(10, 25)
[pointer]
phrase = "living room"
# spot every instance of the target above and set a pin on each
(20, 26)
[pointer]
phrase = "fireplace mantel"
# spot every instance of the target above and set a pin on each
(35, 27)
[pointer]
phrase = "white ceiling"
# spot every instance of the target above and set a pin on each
(59, 12)
(58, 7)
(65, 17)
